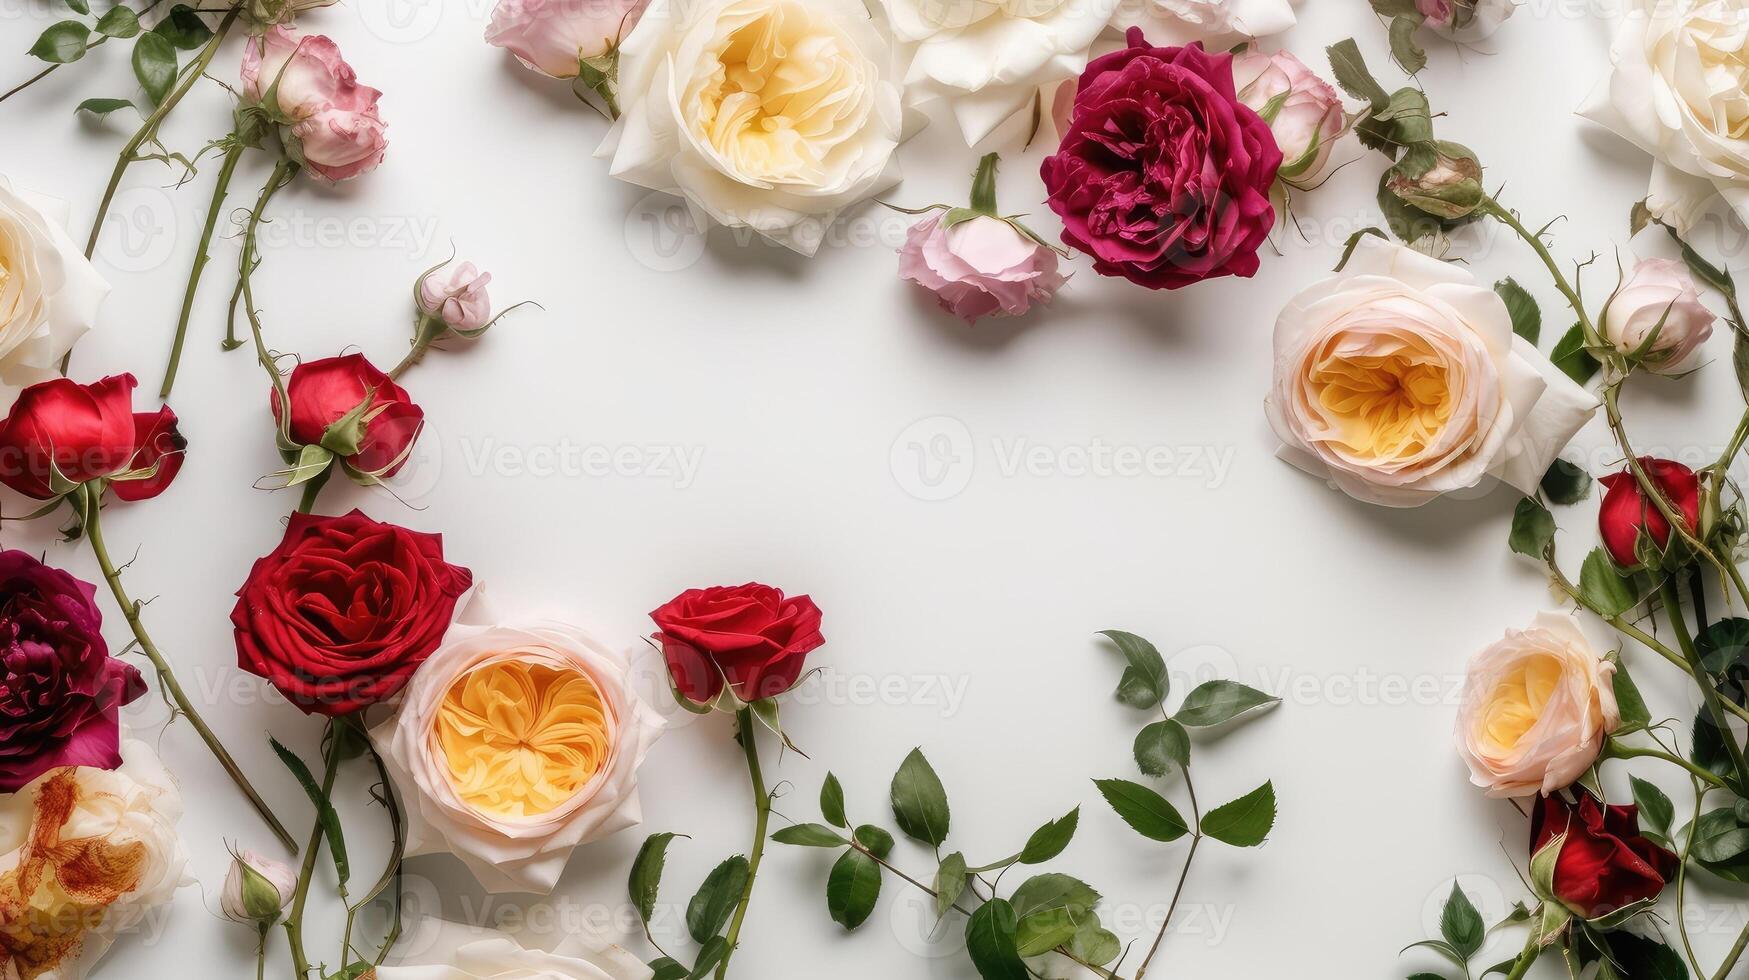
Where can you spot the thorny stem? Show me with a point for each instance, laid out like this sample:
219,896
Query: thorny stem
283,172
233,153
1619,751
1183,876
1521,966
294,923
1709,693
1510,220
747,729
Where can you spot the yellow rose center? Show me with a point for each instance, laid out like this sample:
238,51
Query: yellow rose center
1518,701
1387,400
521,739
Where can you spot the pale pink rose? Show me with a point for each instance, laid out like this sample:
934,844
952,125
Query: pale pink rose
456,294
1659,291
1306,123
1465,21
1537,707
1436,11
554,36
978,268
329,122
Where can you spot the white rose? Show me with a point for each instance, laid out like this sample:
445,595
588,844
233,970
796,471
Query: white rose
117,830
989,59
457,953
1400,379
512,746
1465,21
49,293
1537,706
1218,24
1660,295
773,115
1676,91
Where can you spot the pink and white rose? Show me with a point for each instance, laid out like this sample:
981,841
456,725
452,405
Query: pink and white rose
1303,110
1660,294
981,267
1465,21
327,121
554,37
456,294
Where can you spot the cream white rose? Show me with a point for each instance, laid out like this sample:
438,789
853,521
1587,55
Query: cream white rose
1677,90
1659,295
49,293
92,853
1218,24
773,115
1537,706
513,745
988,59
1465,21
453,952
1400,379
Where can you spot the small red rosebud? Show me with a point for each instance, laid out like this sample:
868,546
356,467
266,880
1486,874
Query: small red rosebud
752,636
1605,863
1627,511
60,432
326,391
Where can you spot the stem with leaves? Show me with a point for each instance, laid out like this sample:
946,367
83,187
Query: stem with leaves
746,728
294,922
1183,876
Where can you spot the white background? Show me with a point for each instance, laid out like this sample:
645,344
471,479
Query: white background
806,388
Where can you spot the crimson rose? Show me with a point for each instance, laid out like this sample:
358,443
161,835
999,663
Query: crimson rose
1604,864
60,690
61,433
1164,175
1626,511
750,635
343,611
381,421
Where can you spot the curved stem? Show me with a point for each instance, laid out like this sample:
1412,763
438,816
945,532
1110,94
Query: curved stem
1682,883
92,506
39,76
1709,694
1735,954
312,490
1505,216
1521,966
1183,876
1619,751
294,923
748,732
233,153
283,172
926,889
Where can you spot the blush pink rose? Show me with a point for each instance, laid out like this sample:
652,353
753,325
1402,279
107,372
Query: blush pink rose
1303,111
978,268
554,36
328,121
456,294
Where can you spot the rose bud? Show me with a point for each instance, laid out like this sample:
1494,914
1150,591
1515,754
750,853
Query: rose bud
61,434
327,121
978,263
555,37
1450,189
1659,297
1304,111
1605,864
1628,516
351,409
1465,21
456,295
750,636
257,889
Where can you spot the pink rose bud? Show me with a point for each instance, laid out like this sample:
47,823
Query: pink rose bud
981,267
456,294
554,37
328,122
257,889
1303,111
1660,295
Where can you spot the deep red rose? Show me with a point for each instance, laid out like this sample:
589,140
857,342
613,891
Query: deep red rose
60,690
344,610
1164,175
88,432
324,392
751,635
1605,864
1626,511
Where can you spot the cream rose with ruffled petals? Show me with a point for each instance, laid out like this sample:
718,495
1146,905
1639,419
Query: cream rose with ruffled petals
1218,24
49,292
773,115
459,953
1537,706
1401,380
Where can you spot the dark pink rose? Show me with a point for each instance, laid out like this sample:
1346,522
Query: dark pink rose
1164,175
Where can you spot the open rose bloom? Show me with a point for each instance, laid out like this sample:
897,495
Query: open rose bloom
49,291
979,268
328,122
1218,24
513,745
555,37
449,951
1465,21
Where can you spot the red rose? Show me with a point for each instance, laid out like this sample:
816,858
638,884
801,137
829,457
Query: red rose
750,634
1605,864
343,611
326,391
81,433
1164,175
1626,511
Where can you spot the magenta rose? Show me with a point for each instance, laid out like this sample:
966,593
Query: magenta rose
60,690
1163,175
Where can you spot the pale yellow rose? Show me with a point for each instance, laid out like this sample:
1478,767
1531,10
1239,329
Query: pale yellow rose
49,293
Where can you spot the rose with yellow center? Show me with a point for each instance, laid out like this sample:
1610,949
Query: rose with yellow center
1401,380
1537,707
513,745
767,114
49,292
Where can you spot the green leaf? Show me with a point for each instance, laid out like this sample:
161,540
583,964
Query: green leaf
62,43
1628,700
1645,959
155,66
1411,122
876,840
1572,358
1146,811
1049,892
1409,54
119,22
1144,684
950,882
183,28
664,968
832,802
1354,241
1036,935
1565,483
1246,821
919,801
1527,316
1093,943
853,888
1218,702
715,901
1708,749
709,955
325,813
1719,836
1740,362
1602,586
646,876
1050,840
991,942
78,6
1161,746
1461,924
1533,527
1350,71
1724,644
1655,807
103,107
809,835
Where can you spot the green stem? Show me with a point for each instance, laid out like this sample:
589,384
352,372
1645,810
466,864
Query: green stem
92,494
313,489
1521,966
283,172
984,185
1682,882
1735,954
747,728
1510,220
261,955
1619,751
294,923
1183,876
233,153
1709,693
